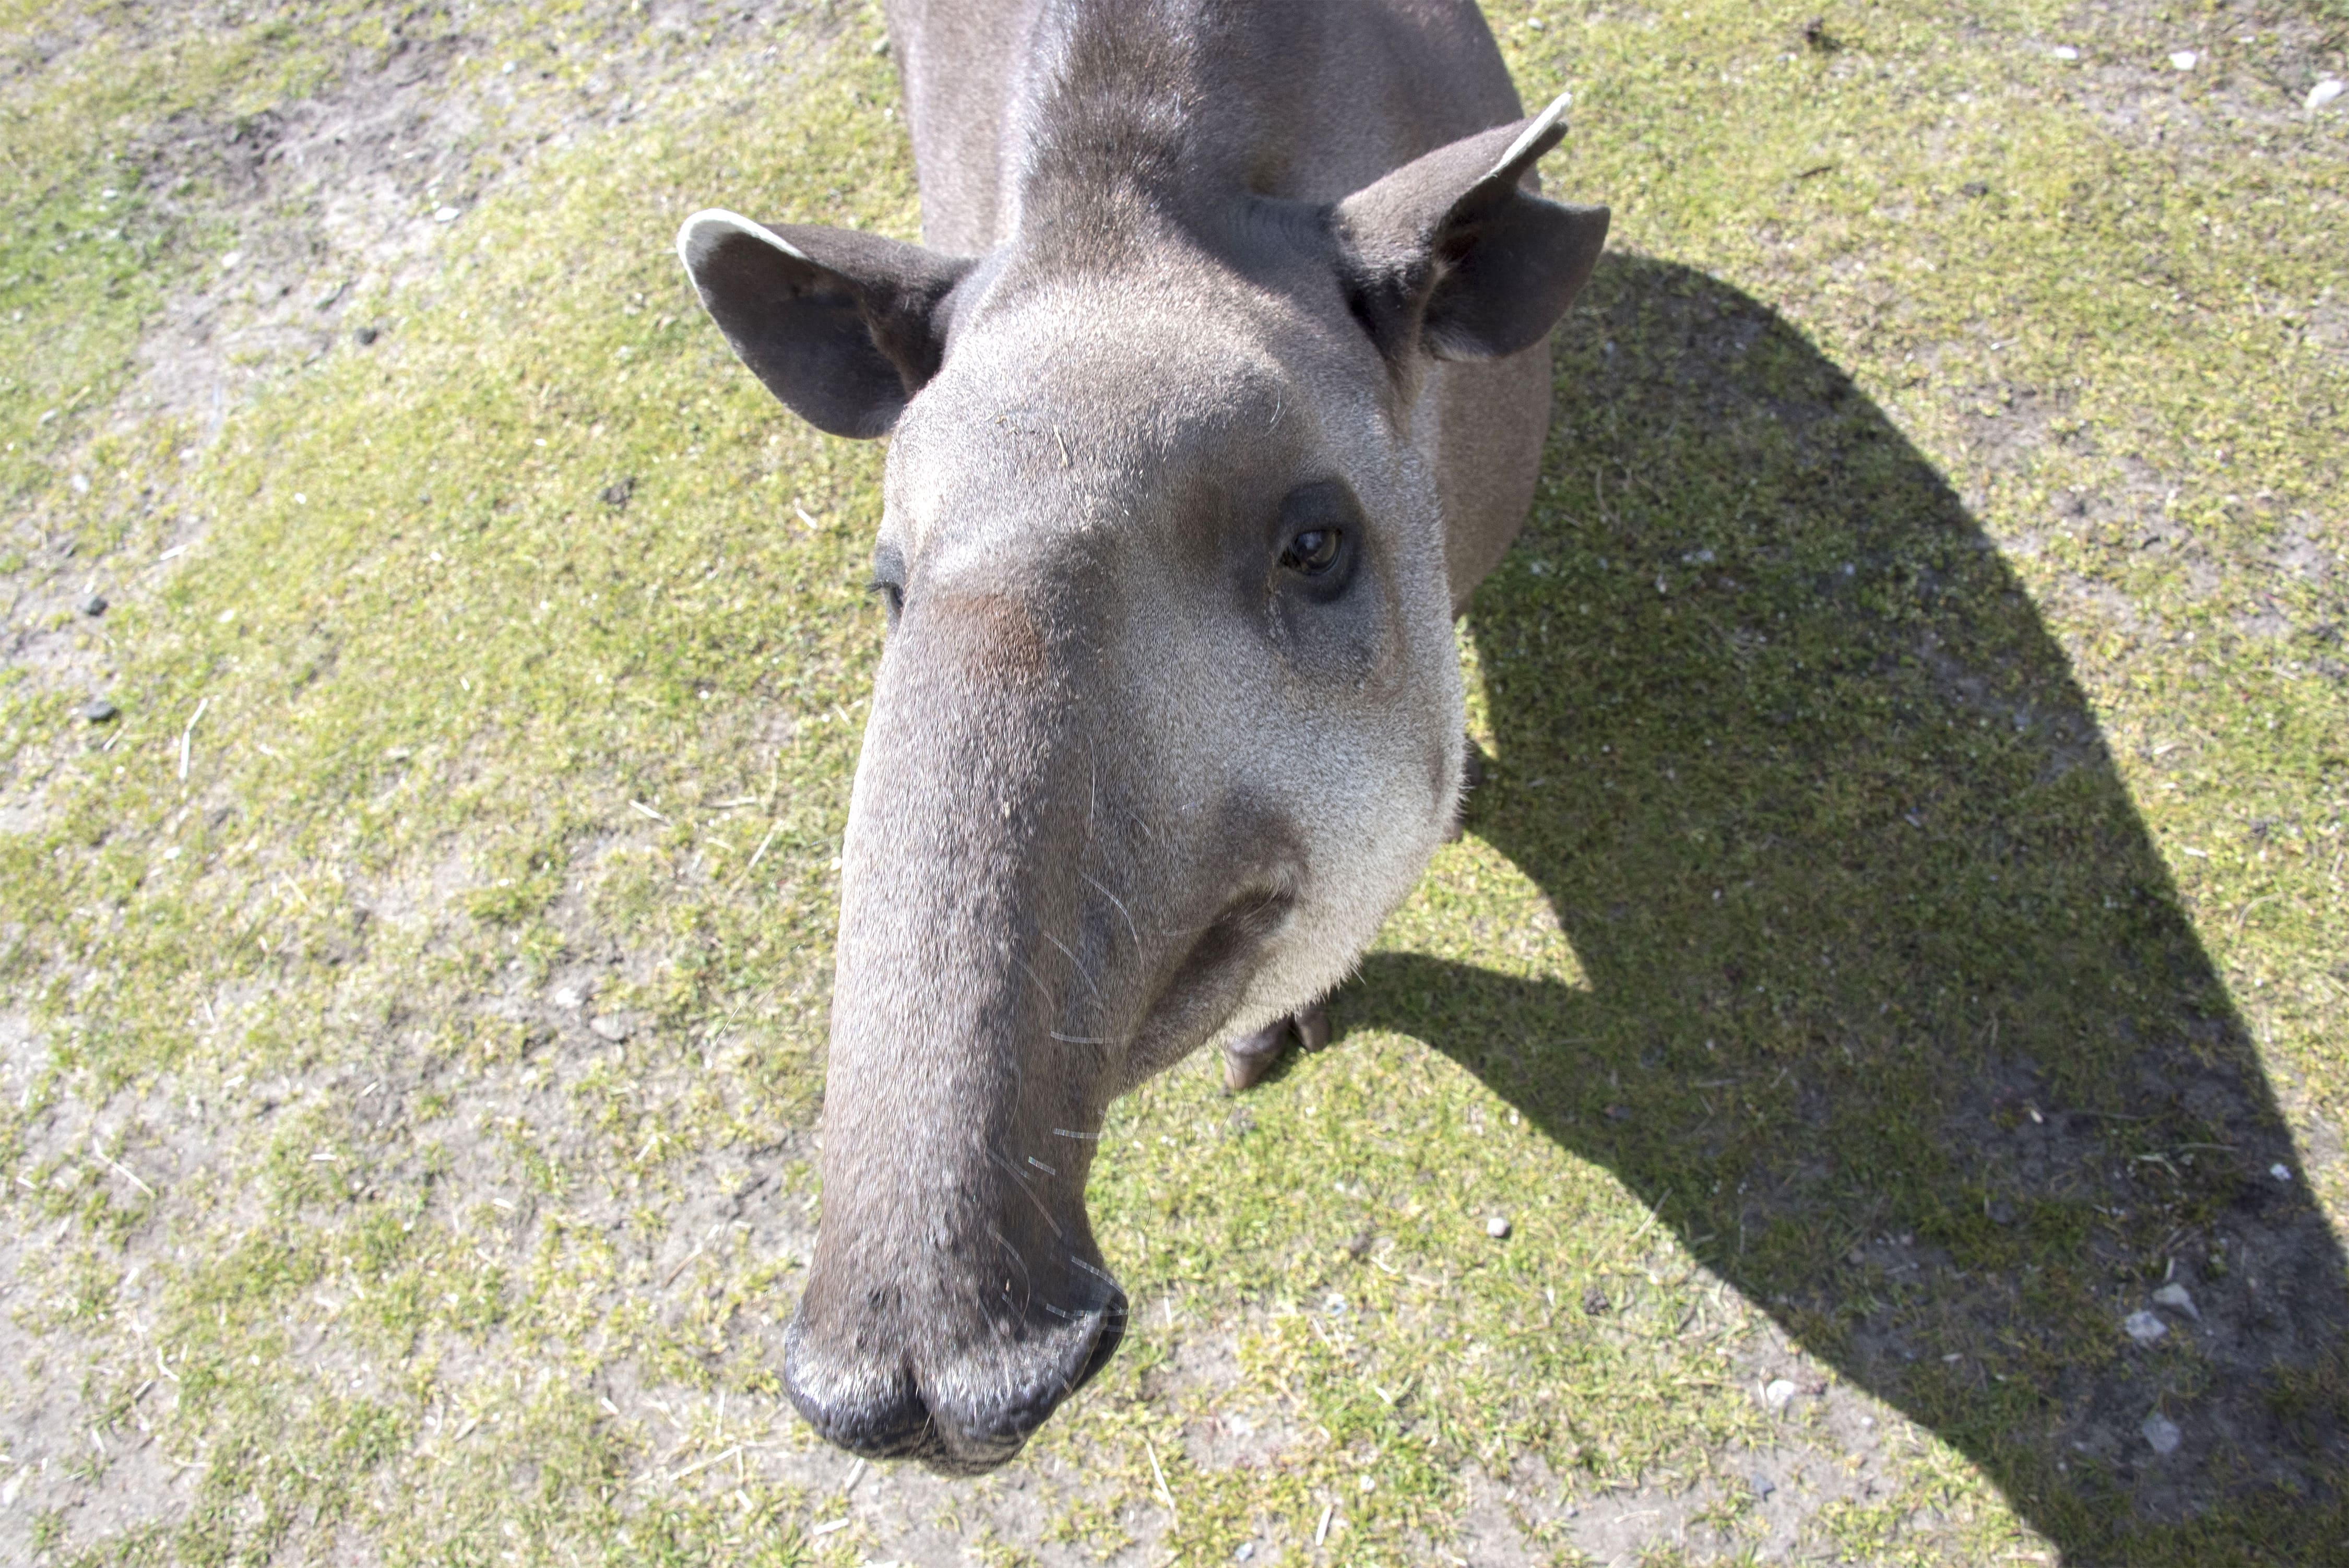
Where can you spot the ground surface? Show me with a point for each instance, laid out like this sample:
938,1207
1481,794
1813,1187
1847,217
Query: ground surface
1901,940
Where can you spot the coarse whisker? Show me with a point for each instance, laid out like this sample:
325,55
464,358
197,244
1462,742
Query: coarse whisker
986,1307
1018,1259
1017,1180
1037,980
1091,1137
1075,1039
1092,786
1026,1276
1131,929
1077,963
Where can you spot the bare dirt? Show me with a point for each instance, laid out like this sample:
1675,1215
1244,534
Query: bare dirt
341,207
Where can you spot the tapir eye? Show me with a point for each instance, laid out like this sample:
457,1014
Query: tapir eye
1314,551
1321,534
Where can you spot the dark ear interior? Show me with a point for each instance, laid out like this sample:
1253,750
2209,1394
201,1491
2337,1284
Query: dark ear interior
841,325
1453,256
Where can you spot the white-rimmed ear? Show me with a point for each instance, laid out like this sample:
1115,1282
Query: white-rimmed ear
1452,255
841,325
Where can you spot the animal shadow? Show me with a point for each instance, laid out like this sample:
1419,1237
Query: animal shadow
1888,1004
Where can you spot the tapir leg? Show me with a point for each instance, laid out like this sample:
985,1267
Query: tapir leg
1248,1059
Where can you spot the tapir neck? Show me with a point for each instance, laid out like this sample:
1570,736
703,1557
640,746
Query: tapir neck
1027,112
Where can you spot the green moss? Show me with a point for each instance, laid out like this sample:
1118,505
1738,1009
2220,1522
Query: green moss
1868,797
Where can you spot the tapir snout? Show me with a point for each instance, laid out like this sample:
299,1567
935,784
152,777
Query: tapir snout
957,1295
872,1373
1026,930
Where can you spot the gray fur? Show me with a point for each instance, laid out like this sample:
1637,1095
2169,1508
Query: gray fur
1209,283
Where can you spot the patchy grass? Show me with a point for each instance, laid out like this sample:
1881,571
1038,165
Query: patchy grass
1900,933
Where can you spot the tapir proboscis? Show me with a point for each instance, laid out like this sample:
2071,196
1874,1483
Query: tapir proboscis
1219,383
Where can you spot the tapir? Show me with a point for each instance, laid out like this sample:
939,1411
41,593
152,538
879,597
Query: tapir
1218,382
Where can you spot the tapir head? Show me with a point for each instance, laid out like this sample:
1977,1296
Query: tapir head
1168,719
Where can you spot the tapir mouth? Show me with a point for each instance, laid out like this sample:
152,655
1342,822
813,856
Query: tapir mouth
961,1415
1229,948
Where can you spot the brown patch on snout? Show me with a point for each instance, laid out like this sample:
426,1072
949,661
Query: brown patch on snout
993,633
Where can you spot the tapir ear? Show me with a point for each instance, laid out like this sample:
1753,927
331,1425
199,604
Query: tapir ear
1451,254
841,325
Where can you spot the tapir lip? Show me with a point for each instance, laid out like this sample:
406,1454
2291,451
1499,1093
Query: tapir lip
1229,946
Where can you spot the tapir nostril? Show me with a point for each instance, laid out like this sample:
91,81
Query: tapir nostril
965,1415
866,1409
982,1412
1105,1343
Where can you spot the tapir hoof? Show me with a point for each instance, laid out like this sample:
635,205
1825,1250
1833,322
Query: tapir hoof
1249,1058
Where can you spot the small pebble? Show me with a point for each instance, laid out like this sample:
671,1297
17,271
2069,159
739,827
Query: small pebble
2183,60
2281,1172
2323,93
1497,1228
449,215
1778,1393
567,998
2161,1432
98,711
1763,1486
1594,1301
93,605
612,1026
2144,1327
2177,1298
1244,1550
365,336
2065,52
